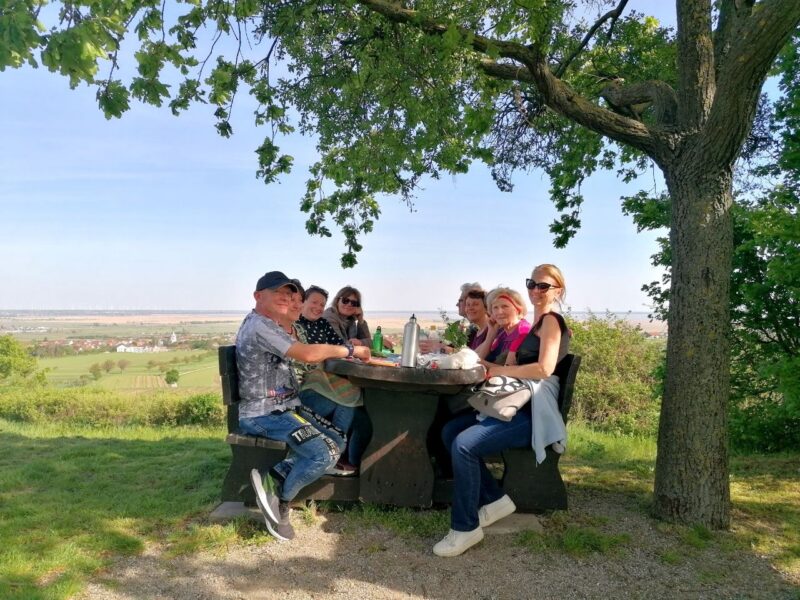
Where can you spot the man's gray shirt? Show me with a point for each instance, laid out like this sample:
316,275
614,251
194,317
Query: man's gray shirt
266,379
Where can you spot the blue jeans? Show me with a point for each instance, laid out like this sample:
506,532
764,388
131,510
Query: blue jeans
314,446
469,442
340,416
360,436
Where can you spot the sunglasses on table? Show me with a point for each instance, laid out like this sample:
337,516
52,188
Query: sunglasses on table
349,302
538,285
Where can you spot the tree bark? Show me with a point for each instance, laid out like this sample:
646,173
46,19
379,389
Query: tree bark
691,483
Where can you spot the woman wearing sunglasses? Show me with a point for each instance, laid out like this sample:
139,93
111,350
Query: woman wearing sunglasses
478,500
345,314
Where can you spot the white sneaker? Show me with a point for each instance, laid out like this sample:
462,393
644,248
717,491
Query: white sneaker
494,511
265,497
457,542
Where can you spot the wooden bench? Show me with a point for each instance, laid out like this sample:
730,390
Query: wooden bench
254,452
533,487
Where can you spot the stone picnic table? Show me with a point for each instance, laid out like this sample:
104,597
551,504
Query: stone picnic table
396,467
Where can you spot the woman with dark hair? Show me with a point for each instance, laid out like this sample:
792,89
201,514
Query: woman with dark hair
477,314
472,305
317,329
329,395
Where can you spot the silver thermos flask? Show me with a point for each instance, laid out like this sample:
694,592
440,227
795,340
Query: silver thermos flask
410,347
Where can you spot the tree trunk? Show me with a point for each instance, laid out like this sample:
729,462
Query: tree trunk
691,483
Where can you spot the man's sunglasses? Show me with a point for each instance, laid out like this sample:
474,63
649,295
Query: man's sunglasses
349,302
540,285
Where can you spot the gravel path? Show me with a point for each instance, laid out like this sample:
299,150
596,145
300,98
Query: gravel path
329,560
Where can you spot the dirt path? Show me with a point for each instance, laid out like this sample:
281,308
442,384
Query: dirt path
332,559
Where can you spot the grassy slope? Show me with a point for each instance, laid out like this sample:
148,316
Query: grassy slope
72,499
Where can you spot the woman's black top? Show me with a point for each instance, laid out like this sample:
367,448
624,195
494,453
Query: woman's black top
528,351
320,331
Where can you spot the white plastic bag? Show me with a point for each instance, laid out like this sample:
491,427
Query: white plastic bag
465,358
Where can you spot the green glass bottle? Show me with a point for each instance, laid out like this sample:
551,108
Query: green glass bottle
377,340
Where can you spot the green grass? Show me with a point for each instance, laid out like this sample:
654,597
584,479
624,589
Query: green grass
765,493
74,498
71,499
404,522
198,370
766,507
573,540
698,537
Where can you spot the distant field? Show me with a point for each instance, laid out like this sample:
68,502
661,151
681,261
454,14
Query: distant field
31,328
196,375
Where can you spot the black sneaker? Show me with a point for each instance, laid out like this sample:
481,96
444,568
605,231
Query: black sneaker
284,529
267,501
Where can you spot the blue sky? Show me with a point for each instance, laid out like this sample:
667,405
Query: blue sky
156,212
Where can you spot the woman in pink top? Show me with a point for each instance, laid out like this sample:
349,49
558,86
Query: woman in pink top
507,327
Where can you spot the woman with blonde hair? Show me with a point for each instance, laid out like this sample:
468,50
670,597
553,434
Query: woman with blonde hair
478,500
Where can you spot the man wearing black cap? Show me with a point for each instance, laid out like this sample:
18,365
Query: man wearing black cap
270,406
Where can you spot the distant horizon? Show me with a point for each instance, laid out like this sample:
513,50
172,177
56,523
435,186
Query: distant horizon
145,311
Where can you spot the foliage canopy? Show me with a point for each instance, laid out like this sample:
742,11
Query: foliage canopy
388,103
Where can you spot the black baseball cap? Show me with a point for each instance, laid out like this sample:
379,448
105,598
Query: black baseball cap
274,280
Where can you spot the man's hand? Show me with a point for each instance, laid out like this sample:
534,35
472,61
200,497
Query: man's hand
361,352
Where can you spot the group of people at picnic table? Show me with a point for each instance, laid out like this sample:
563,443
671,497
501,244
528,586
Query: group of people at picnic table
286,395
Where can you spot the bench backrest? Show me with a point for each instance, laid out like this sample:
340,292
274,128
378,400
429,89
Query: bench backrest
567,370
229,380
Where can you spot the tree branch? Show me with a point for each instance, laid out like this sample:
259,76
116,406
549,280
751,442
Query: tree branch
507,71
743,71
696,81
732,14
613,15
557,95
632,100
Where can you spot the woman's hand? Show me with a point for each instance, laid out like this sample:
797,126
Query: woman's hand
493,370
355,342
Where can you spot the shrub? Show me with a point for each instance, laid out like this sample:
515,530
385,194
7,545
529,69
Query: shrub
770,423
98,407
172,376
200,409
618,383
